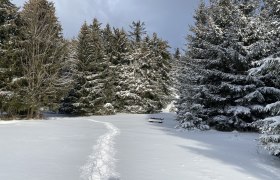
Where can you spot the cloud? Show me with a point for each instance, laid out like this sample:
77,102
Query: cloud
169,18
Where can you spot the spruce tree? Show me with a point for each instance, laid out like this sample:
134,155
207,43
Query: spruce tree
217,65
161,70
98,81
137,32
189,105
9,56
92,91
74,102
129,80
120,64
266,69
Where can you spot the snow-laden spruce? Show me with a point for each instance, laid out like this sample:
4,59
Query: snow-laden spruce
9,61
229,79
270,138
128,71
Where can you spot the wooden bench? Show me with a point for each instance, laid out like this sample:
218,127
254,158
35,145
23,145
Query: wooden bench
156,120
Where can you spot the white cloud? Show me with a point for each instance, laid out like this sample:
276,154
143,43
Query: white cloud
170,18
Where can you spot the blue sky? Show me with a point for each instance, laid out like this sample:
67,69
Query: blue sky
169,18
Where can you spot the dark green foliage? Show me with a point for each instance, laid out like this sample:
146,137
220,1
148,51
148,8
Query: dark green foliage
229,77
137,31
10,68
107,71
119,74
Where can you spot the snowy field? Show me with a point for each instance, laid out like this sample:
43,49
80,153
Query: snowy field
127,147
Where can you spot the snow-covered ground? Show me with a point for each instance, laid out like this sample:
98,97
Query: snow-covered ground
127,147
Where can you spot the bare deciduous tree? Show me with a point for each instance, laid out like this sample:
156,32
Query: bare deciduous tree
43,58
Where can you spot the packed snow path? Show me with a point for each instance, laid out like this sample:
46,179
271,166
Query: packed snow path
101,163
127,147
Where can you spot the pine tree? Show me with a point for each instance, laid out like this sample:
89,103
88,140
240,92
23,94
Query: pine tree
43,58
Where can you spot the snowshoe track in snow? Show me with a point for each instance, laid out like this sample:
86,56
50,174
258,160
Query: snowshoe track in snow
101,163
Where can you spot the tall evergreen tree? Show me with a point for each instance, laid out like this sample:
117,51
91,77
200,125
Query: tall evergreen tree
130,84
137,32
9,55
120,64
266,69
98,80
189,104
74,102
121,74
91,93
218,62
161,68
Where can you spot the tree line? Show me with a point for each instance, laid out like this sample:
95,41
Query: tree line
229,78
103,71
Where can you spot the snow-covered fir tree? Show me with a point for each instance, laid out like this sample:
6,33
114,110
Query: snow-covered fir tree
161,70
119,74
216,78
98,80
9,53
189,104
175,68
111,74
132,82
74,103
91,85
266,68
138,30
121,70
144,81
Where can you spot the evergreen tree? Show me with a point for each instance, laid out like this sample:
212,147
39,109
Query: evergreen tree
177,54
161,68
111,75
138,30
74,103
175,71
120,65
92,91
130,82
217,65
189,105
144,84
266,69
98,80
118,73
9,62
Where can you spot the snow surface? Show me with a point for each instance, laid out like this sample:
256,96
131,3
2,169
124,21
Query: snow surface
128,147
101,164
